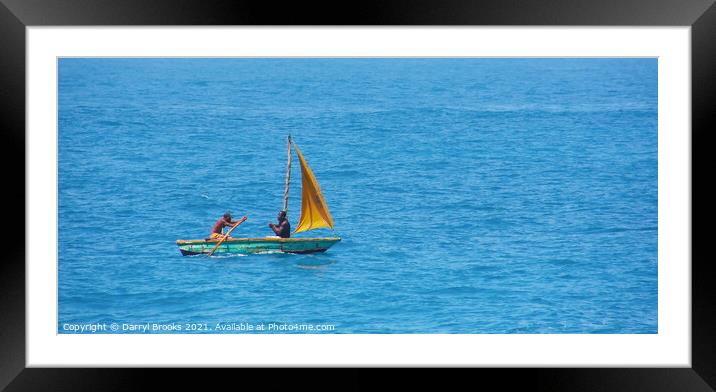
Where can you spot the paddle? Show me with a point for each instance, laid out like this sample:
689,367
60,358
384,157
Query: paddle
227,235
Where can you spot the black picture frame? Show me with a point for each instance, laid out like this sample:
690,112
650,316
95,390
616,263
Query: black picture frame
15,15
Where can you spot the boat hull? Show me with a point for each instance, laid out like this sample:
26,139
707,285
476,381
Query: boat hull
257,245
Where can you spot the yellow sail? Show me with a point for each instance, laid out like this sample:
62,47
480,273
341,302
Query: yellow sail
314,211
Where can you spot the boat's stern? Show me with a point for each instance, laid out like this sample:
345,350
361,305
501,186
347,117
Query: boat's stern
309,245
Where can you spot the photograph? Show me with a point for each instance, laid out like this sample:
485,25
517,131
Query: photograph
505,188
357,195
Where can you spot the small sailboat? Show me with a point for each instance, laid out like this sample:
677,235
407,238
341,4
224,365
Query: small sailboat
314,215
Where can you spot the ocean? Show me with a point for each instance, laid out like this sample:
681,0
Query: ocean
472,195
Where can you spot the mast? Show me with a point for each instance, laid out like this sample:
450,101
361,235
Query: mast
288,176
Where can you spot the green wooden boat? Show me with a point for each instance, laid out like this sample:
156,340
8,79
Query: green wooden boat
257,245
314,215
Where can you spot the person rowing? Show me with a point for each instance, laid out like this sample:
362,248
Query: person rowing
217,232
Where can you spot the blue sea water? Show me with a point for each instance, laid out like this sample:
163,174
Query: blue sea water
471,195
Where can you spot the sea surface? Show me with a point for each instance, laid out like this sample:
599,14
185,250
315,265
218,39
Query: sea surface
472,195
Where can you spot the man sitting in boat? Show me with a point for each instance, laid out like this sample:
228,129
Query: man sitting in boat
217,231
283,228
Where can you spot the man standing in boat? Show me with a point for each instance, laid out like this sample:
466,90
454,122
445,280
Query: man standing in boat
217,231
283,228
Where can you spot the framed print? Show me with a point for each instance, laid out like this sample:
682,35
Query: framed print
451,185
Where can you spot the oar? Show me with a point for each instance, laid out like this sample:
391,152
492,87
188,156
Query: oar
227,235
